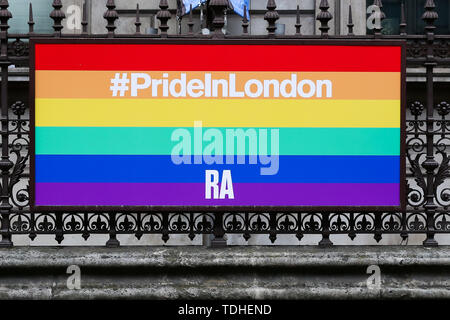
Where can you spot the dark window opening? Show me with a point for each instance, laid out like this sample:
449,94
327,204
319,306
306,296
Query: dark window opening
414,10
20,13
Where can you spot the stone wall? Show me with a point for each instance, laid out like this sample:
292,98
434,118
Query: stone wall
231,273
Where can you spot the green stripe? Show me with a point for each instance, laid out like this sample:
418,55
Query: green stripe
157,140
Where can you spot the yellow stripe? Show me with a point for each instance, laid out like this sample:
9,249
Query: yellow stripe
217,113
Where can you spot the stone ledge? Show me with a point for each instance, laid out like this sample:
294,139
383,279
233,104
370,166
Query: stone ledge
269,272
198,256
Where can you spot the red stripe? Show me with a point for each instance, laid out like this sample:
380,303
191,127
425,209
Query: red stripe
181,57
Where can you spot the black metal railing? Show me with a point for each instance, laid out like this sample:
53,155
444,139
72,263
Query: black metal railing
428,130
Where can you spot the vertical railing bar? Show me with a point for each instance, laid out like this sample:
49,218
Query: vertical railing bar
325,242
139,232
245,22
191,226
245,226
84,20
377,221
299,233
351,223
298,24
218,231
404,232
403,20
138,21
430,164
273,226
165,227
59,235
5,162
190,22
86,233
32,234
350,24
112,242
30,19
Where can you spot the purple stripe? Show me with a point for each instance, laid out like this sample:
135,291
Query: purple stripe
192,194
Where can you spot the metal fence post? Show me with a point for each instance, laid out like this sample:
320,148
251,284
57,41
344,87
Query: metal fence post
350,24
30,19
325,242
298,24
430,164
245,22
219,232
112,242
5,163
84,21
403,24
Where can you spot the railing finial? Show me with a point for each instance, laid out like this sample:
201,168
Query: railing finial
30,19
350,24
271,16
163,16
245,23
190,22
138,20
84,22
324,16
218,6
111,16
430,164
5,163
430,16
403,20
57,15
5,15
298,25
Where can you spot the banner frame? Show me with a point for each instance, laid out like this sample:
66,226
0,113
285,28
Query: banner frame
226,41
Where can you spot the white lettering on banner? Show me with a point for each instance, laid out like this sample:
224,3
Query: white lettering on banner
293,87
212,184
228,146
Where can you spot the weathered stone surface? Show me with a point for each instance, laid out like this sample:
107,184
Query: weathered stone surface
229,273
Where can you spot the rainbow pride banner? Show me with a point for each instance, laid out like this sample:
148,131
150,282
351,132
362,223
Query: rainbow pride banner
289,124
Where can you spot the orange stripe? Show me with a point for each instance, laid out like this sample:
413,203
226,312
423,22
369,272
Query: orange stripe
96,84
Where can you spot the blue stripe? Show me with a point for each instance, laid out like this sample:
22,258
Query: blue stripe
140,169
